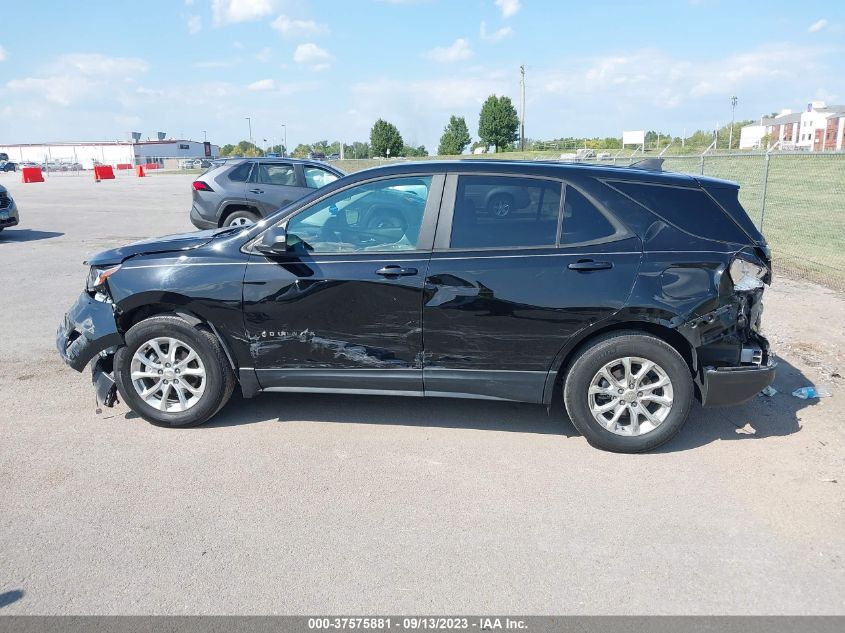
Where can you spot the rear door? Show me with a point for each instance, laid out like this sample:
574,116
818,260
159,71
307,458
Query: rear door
274,185
505,293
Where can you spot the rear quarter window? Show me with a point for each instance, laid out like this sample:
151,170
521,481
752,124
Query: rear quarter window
240,173
689,209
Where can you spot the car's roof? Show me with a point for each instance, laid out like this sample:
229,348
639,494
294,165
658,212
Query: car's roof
221,162
555,169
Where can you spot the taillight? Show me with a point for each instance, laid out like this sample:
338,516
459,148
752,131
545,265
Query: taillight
199,185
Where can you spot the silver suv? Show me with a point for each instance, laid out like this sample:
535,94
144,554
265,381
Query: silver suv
241,191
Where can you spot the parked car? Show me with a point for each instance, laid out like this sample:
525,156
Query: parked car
7,165
240,192
334,156
8,209
624,292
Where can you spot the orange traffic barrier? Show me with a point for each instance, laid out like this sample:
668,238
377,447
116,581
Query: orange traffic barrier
31,174
103,172
149,166
120,166
139,171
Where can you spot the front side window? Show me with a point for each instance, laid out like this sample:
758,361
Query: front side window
384,215
316,177
273,174
505,212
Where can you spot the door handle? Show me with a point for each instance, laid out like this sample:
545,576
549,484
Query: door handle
586,265
256,191
396,271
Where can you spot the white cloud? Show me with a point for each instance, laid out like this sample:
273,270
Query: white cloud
188,3
458,51
508,7
194,24
232,11
495,36
817,26
265,54
74,77
298,28
3,54
312,55
262,84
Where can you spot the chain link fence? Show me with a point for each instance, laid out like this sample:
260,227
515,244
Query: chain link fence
796,199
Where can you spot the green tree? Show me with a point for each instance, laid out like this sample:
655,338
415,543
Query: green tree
245,148
414,152
301,151
358,150
498,122
385,139
277,149
455,137
227,150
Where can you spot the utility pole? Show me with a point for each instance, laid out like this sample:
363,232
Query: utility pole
522,108
249,120
733,108
285,127
204,136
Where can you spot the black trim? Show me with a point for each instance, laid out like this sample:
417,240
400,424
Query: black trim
734,385
519,386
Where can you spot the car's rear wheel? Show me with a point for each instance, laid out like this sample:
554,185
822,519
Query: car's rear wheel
628,392
241,218
172,373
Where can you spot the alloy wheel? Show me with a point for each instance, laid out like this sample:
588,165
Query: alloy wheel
168,374
630,396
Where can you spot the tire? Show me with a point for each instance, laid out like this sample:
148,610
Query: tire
215,387
500,205
665,420
241,218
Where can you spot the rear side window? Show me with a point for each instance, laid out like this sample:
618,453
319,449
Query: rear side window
240,173
690,210
582,221
502,212
272,174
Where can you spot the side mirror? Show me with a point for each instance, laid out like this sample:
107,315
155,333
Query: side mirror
274,241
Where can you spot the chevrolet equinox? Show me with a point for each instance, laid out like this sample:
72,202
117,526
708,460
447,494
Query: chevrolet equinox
625,291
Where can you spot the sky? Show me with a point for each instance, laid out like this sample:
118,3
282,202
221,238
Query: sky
327,69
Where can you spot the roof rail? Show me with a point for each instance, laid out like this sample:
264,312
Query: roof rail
649,164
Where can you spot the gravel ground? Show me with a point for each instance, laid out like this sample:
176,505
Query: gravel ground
306,503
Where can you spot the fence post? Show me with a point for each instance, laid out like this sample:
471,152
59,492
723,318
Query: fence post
765,187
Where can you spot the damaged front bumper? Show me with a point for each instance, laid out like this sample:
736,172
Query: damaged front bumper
88,328
724,386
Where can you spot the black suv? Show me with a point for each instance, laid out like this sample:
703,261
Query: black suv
239,192
623,291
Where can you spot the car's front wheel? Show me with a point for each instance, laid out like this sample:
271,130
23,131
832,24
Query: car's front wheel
500,205
628,392
172,373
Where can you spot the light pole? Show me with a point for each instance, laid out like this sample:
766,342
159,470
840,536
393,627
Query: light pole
249,121
285,127
733,108
204,136
522,108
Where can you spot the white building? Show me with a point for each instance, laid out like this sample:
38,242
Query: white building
818,128
110,152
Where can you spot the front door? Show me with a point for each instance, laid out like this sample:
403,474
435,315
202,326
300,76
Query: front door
342,310
505,291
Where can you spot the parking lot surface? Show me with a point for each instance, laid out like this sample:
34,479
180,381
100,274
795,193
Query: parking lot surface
307,504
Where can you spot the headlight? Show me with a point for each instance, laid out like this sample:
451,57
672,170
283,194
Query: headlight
97,276
746,275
